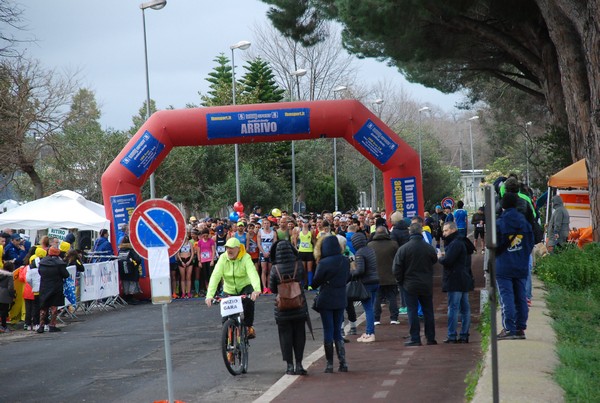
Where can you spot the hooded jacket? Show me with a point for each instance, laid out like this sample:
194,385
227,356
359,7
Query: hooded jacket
400,232
365,260
515,243
52,270
286,261
236,274
559,222
7,287
413,266
331,275
385,250
456,275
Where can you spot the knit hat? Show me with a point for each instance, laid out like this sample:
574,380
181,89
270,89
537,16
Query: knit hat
64,246
53,251
40,252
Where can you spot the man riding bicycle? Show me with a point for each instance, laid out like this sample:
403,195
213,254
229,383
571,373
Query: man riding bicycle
239,276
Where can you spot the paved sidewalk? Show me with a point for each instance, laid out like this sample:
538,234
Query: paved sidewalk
525,367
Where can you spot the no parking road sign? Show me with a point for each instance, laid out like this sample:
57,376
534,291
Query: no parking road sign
448,202
156,222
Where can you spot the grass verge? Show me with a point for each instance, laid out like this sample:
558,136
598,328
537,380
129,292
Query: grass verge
473,377
576,317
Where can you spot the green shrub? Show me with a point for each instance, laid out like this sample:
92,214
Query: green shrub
572,268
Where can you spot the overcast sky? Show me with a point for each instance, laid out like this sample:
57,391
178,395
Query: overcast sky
103,39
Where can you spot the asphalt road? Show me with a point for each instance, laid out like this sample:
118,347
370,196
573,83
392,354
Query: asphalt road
118,356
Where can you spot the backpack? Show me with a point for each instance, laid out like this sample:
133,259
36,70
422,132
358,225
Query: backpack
289,293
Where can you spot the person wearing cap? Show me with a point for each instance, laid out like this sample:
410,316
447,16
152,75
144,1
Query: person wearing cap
15,250
515,243
240,232
52,270
239,277
220,239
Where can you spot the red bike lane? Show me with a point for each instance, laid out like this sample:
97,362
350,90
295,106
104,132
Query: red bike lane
388,370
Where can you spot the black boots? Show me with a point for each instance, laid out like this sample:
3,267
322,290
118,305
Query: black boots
329,357
300,369
290,368
341,353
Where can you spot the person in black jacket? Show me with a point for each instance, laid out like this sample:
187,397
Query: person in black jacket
129,262
457,282
413,268
52,270
290,323
331,276
400,234
366,272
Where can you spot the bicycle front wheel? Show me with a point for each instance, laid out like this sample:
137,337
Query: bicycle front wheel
232,347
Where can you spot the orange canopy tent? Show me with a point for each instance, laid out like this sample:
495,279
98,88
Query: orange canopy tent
573,176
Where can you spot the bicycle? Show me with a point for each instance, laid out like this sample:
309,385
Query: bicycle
234,336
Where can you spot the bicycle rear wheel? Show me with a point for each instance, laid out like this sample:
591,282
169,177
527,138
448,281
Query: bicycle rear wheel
231,346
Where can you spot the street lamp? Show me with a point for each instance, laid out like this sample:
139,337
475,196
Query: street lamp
378,101
472,159
527,152
423,109
337,89
297,74
155,5
242,45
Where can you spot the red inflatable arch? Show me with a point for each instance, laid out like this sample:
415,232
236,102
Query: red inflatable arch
348,119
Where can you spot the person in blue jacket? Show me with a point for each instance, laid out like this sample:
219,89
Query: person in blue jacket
103,249
515,243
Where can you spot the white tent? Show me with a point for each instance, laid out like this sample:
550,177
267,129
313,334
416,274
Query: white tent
8,204
64,209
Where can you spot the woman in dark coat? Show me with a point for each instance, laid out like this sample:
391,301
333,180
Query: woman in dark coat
290,323
331,276
53,270
129,261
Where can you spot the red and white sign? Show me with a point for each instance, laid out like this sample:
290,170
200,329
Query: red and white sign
156,223
448,202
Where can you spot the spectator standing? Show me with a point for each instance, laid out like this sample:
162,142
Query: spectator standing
478,221
102,249
7,293
413,269
385,251
558,226
15,250
366,271
449,215
331,275
515,244
461,219
52,270
438,218
457,282
129,262
290,323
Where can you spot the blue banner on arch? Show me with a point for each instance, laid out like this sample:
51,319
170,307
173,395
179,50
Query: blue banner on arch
404,196
257,123
376,142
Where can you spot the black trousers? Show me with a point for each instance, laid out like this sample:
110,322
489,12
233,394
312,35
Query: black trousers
292,339
248,305
32,311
